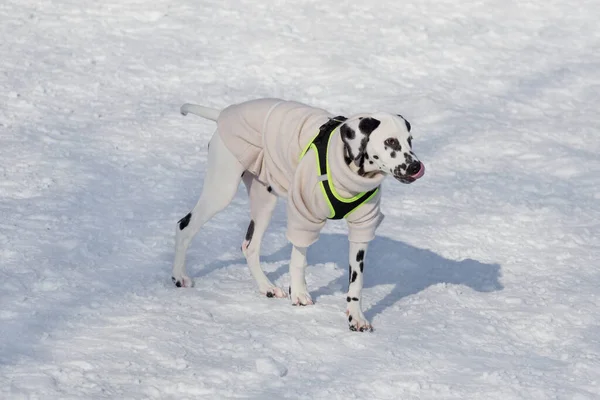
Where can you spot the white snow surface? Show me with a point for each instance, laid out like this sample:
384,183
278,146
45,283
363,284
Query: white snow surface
482,284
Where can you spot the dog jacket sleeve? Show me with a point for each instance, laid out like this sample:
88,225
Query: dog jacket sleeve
363,222
307,209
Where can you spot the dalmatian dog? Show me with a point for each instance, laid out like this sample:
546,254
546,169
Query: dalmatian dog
374,145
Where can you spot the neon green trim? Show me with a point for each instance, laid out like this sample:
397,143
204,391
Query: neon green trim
335,193
312,146
331,209
363,203
308,146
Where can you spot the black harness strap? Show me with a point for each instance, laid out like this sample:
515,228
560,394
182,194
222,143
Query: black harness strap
320,145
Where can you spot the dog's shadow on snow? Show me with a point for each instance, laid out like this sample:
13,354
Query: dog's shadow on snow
409,269
388,262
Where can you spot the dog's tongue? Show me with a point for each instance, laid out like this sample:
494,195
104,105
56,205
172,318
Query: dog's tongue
420,173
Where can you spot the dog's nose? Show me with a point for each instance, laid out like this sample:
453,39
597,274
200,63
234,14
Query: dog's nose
413,168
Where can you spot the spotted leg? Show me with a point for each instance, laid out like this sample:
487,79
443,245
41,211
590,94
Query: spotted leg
356,318
222,179
262,204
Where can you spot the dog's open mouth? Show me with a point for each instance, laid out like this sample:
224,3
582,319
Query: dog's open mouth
413,177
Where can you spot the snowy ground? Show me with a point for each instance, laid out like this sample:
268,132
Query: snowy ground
483,284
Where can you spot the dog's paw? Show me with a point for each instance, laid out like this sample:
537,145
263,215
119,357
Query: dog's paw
274,292
183,281
300,298
358,323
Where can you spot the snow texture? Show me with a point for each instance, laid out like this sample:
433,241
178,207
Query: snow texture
484,280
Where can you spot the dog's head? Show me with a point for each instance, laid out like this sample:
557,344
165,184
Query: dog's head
381,142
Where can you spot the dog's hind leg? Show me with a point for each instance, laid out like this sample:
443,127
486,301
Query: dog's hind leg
262,204
223,175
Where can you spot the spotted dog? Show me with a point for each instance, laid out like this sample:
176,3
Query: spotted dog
326,166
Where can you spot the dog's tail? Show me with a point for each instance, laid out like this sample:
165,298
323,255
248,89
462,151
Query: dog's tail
206,112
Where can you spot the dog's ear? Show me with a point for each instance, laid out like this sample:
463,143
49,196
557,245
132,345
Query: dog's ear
368,125
406,122
356,138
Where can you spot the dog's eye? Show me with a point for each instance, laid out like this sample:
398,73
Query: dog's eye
393,144
410,141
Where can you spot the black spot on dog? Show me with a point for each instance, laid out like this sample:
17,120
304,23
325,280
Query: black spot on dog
359,160
370,162
269,189
368,125
250,231
376,157
176,282
290,290
362,266
183,222
393,154
405,122
349,273
360,255
270,294
363,146
403,166
409,140
350,318
347,132
348,155
354,275
348,299
355,299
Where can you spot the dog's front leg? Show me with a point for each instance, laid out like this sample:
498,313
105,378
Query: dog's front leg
356,318
298,290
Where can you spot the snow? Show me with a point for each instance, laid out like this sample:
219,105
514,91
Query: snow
482,284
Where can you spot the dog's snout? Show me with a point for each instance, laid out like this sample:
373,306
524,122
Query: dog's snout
414,168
